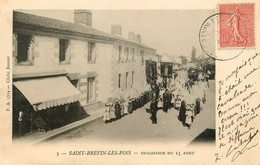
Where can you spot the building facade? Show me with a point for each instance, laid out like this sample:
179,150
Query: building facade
95,66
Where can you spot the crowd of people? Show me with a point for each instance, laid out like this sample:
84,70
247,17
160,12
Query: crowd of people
185,93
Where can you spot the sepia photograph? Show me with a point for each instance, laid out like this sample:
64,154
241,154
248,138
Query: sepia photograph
129,82
112,76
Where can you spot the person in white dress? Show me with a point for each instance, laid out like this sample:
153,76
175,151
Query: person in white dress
189,115
160,99
106,113
190,101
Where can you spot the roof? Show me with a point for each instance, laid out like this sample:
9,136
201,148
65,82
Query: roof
166,59
54,24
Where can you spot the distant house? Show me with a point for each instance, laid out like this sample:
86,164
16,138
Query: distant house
166,65
177,62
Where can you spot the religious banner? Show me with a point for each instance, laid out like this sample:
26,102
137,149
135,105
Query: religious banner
166,69
151,71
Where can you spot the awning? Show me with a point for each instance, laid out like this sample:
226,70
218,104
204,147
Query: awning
48,92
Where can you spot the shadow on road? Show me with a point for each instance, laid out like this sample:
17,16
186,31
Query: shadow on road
207,136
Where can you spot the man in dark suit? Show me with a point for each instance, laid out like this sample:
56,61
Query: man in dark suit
154,103
182,112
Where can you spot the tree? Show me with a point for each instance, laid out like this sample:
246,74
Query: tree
184,60
193,55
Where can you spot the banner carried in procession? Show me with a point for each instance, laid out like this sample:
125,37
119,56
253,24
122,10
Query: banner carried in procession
151,71
166,69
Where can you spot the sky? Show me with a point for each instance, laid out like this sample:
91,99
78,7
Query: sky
171,32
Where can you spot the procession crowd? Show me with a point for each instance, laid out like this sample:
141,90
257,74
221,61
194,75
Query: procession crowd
185,93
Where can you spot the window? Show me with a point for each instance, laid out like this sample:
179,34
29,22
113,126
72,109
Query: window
119,53
133,54
133,77
64,45
91,89
126,79
75,83
127,53
24,56
91,47
119,80
142,55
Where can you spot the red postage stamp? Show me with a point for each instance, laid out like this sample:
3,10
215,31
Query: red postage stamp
236,25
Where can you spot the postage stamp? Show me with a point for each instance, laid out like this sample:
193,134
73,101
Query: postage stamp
236,26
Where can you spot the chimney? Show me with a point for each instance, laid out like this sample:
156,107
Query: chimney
131,36
116,30
83,17
138,38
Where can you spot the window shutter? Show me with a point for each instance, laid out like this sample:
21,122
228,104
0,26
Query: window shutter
68,54
94,52
14,45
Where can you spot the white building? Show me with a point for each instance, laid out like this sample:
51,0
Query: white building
93,64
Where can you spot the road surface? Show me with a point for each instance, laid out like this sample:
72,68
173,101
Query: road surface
138,126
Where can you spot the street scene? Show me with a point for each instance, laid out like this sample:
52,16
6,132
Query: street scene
137,127
82,75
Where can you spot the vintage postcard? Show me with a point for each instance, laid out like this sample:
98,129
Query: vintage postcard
119,83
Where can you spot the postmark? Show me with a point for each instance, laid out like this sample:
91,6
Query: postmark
207,36
231,28
208,39
236,26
